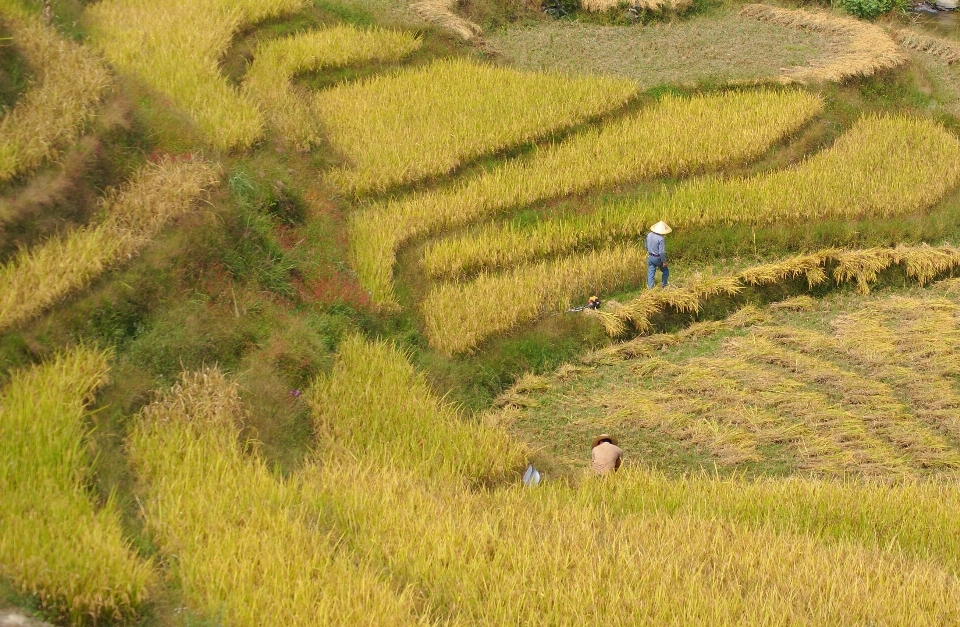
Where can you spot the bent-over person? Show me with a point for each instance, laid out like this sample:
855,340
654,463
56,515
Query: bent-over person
605,455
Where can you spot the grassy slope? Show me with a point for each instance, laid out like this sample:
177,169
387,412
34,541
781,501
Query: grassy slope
257,281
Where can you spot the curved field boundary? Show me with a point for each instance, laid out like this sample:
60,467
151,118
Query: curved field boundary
278,61
675,137
56,543
869,49
376,405
425,121
884,166
440,12
174,46
40,276
459,316
947,50
236,538
70,82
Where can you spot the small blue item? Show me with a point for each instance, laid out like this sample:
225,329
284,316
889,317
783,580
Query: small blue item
531,477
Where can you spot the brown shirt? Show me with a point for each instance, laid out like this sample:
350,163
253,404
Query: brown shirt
605,457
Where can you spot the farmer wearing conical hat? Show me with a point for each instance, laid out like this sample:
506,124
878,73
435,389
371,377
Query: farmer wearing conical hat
657,253
605,456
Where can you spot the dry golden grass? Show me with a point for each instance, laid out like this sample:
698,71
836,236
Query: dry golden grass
912,344
441,13
375,403
871,401
945,49
174,46
49,116
797,303
868,50
459,316
883,166
675,137
425,121
716,47
678,6
57,543
237,539
132,216
277,61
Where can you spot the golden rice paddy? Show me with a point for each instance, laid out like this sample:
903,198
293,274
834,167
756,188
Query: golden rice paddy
882,167
677,136
268,80
69,83
174,46
421,122
57,542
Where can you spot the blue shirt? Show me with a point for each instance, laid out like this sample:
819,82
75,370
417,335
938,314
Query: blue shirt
656,246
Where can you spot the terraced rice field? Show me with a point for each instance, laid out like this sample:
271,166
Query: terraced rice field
238,540
58,543
69,83
134,215
174,47
322,473
276,62
422,122
866,389
882,167
459,316
699,133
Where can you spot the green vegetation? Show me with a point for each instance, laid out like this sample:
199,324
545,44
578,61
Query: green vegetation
283,315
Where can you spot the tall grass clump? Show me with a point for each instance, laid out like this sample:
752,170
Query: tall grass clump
69,83
458,316
268,80
551,556
235,538
425,121
133,215
56,542
375,406
884,166
869,48
174,46
675,137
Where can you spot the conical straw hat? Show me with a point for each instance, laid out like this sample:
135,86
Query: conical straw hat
604,436
660,228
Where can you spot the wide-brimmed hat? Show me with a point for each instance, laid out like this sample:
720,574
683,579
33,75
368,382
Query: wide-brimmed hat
604,436
661,228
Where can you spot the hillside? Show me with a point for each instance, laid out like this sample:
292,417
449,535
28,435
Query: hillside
288,304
